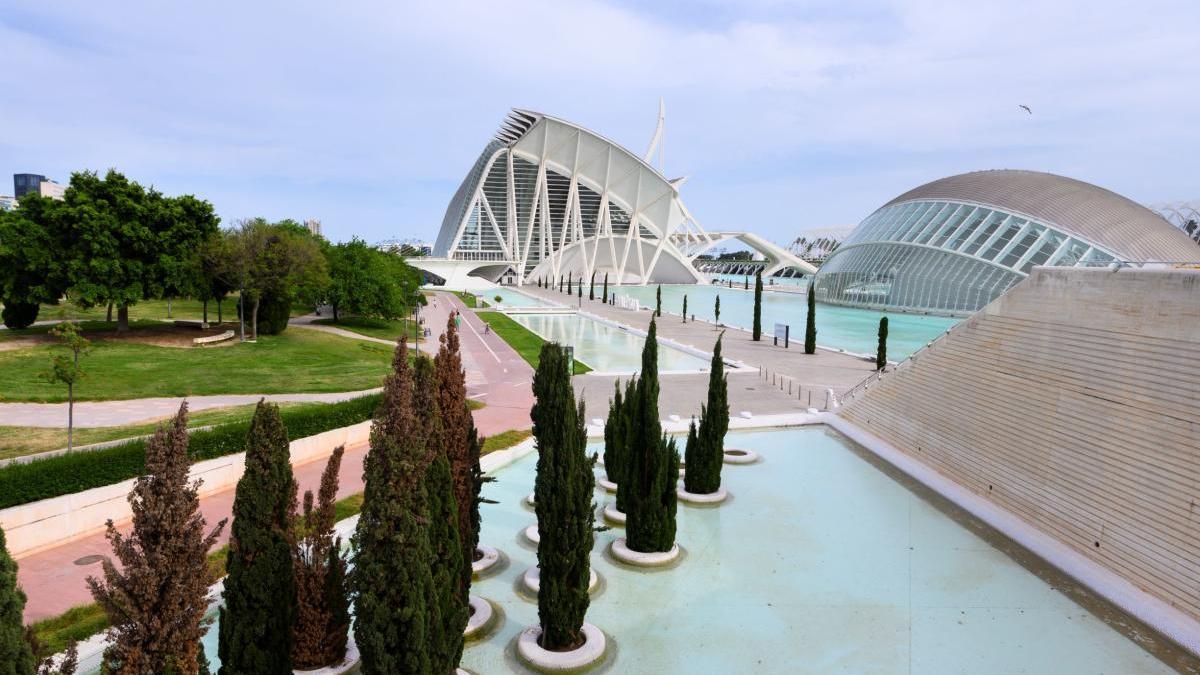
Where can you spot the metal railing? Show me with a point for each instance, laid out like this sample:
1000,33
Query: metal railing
821,398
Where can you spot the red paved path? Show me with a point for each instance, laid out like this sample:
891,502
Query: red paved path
496,375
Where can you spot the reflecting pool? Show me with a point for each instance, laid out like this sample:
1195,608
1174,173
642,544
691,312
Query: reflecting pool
821,563
603,347
511,298
849,328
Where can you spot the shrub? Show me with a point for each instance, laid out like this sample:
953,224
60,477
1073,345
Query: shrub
66,474
273,315
19,314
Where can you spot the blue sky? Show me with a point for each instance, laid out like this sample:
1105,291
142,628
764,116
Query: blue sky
785,115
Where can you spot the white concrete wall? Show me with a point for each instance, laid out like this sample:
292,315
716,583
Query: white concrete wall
41,525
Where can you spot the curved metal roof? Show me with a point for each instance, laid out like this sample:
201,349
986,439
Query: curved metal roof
1089,212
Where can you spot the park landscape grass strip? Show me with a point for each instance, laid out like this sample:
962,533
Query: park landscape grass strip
526,342
384,329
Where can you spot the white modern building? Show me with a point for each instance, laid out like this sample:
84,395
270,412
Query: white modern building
549,198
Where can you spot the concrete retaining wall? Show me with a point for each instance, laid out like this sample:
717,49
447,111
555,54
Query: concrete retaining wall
31,528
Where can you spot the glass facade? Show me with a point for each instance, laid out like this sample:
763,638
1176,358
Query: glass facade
943,256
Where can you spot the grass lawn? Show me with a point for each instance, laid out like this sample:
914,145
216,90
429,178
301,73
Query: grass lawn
504,440
295,361
526,342
467,298
181,308
377,328
18,441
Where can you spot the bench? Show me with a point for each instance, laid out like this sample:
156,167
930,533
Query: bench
212,339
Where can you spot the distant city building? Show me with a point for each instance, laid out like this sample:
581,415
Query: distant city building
313,226
7,203
24,183
406,247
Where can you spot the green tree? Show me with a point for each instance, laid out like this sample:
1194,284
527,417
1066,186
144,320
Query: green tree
658,301
746,282
368,282
563,501
65,368
274,261
605,298
716,312
758,291
705,451
685,307
810,322
259,615
322,608
881,350
392,583
157,600
653,467
32,270
218,277
614,435
16,656
592,288
622,436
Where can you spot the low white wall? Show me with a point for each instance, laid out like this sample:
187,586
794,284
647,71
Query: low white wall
35,527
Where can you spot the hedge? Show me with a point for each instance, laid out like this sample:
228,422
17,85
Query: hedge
78,471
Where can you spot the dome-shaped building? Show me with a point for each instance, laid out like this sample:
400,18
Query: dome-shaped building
955,244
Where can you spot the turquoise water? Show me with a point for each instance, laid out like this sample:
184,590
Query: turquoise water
849,328
778,281
510,298
820,563
602,347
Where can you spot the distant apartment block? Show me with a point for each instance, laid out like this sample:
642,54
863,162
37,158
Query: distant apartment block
25,183
407,247
314,226
7,203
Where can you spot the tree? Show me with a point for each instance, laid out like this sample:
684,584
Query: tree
658,301
16,655
31,265
580,291
259,615
563,501
322,608
881,350
560,283
65,369
157,600
622,438
614,435
605,299
810,322
716,312
685,307
451,605
272,260
758,291
745,282
392,583
705,450
653,467
218,277
592,288
368,282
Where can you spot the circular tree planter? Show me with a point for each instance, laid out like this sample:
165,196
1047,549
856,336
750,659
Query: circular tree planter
533,579
612,515
589,653
530,500
740,456
490,558
608,485
622,552
349,662
710,499
531,533
482,614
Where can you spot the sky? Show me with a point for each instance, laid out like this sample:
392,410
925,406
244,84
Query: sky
785,116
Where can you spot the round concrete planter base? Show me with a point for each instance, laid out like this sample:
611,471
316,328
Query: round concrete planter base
531,533
622,552
491,557
529,499
612,515
710,499
532,580
608,485
589,653
740,456
482,614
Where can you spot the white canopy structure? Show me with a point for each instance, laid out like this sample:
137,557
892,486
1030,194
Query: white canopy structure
548,198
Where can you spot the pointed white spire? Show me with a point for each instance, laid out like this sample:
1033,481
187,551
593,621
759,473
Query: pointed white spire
656,143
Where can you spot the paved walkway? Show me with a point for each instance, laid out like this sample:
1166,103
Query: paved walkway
496,375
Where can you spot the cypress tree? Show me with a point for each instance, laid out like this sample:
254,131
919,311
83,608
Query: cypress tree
606,288
592,288
810,322
392,583
658,301
16,656
259,615
621,438
156,602
704,456
745,282
580,289
478,479
447,624
322,608
685,307
612,432
717,312
758,290
563,501
881,350
653,467
560,283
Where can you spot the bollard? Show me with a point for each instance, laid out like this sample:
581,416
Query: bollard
810,398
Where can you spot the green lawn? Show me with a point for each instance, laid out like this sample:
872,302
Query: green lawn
467,298
181,308
18,441
504,440
376,328
295,361
526,342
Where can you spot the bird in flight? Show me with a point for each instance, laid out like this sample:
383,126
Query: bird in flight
1026,108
